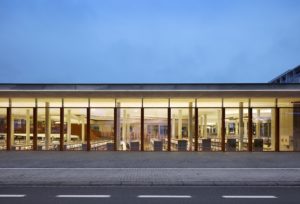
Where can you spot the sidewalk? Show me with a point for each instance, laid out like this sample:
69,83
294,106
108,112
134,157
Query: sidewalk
149,168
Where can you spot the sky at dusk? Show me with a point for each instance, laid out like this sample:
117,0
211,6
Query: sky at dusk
147,41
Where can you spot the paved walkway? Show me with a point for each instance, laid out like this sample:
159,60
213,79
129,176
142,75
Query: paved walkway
146,168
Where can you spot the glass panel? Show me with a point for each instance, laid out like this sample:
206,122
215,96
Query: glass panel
156,129
4,102
23,102
182,103
75,129
235,102
76,102
236,131
49,102
102,102
156,102
128,129
3,129
209,102
263,129
48,129
130,102
262,102
22,129
182,129
102,129
289,129
210,121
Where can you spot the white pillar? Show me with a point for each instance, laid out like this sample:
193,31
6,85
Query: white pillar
118,128
190,126
47,126
205,125
219,122
258,124
27,126
12,129
201,126
273,118
128,138
124,129
241,126
179,124
69,126
82,129
173,126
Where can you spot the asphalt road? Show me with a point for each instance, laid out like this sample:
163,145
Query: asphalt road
133,194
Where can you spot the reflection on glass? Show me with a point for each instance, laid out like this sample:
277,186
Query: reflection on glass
75,129
102,129
263,129
155,129
236,123
3,129
289,138
182,131
209,120
21,129
48,128
128,129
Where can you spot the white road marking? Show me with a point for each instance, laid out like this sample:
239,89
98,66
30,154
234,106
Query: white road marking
12,195
83,196
248,196
164,196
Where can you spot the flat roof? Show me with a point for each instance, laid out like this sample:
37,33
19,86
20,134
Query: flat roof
150,90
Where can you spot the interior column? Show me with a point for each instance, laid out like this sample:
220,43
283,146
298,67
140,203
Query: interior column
27,127
82,129
69,126
241,126
47,126
180,124
190,126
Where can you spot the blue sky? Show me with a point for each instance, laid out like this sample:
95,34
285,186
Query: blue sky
145,41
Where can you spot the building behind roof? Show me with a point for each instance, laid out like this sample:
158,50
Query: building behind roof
290,76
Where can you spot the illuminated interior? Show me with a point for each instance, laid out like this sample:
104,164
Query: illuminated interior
150,124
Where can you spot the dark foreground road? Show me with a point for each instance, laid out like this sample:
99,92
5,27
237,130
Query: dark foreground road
130,194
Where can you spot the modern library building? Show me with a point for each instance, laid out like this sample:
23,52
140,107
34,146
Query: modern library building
150,117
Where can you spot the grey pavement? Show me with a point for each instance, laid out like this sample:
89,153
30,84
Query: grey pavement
149,169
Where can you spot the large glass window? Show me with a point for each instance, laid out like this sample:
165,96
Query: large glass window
48,129
182,129
236,122
128,129
22,129
155,129
263,129
3,128
289,129
209,121
102,129
75,129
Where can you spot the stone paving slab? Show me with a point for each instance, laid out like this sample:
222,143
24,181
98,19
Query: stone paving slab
150,176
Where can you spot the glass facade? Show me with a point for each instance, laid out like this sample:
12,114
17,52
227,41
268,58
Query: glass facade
209,131
236,137
102,129
155,129
150,124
